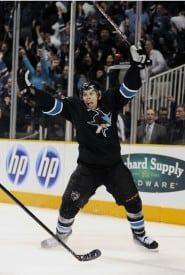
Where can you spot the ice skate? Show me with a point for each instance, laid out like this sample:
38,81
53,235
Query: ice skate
146,241
52,242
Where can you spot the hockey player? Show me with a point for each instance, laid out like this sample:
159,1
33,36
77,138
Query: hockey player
94,115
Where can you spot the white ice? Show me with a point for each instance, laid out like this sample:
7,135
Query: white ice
21,254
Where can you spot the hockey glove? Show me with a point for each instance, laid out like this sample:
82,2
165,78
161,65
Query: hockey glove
138,55
23,81
24,84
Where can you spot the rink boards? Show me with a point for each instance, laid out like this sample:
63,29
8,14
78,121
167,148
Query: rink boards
37,173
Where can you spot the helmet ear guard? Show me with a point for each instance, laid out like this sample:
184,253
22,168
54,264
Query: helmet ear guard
88,86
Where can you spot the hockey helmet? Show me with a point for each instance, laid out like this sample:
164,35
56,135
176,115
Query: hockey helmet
88,86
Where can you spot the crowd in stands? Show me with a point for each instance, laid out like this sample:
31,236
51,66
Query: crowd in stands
44,51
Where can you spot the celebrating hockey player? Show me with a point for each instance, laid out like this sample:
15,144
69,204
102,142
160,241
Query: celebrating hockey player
94,115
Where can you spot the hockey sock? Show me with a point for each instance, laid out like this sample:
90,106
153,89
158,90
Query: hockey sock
136,221
64,226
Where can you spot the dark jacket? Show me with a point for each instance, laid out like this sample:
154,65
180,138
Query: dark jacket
176,132
158,135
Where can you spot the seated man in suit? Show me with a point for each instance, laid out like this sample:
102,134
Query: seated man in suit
151,132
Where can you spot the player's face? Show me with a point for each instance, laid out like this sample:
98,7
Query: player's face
90,99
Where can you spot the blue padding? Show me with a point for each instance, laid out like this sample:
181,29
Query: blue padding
56,109
137,223
126,92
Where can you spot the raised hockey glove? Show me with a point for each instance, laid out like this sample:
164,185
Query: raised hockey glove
138,55
23,81
24,84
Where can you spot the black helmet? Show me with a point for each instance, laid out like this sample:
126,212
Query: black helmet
88,86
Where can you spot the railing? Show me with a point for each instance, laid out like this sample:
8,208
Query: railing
154,92
156,89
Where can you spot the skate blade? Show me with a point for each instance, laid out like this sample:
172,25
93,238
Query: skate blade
140,244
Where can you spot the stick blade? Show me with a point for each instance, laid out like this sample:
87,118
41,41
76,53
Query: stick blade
94,254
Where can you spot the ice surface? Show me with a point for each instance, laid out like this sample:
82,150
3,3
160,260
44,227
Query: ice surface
21,254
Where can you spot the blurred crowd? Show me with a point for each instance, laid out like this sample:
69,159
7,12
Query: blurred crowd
44,51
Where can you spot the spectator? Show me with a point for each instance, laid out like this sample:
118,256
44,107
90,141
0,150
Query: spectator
87,67
100,77
93,30
27,122
47,15
4,74
121,52
7,88
26,20
161,28
55,71
62,83
88,9
158,63
6,52
163,116
39,75
179,21
123,124
5,116
151,132
113,74
54,31
177,56
4,124
8,22
45,41
130,13
55,128
176,129
105,43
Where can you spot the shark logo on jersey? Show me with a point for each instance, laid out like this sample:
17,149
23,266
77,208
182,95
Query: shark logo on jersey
102,121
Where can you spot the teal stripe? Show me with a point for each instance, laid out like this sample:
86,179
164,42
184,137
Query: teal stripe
137,224
56,109
126,92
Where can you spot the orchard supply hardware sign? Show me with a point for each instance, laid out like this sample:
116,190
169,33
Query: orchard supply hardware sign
156,173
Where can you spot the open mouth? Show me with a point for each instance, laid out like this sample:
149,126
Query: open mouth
90,105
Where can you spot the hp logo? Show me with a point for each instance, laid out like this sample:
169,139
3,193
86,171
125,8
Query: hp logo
17,164
48,167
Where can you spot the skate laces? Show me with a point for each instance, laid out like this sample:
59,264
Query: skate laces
146,240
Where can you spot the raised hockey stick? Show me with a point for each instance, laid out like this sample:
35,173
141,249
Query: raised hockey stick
82,258
109,19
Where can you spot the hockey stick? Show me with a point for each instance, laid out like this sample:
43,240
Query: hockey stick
109,19
112,22
83,258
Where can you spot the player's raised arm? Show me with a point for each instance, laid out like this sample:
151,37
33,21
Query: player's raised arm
132,80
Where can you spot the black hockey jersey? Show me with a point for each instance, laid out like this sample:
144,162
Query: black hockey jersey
96,130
